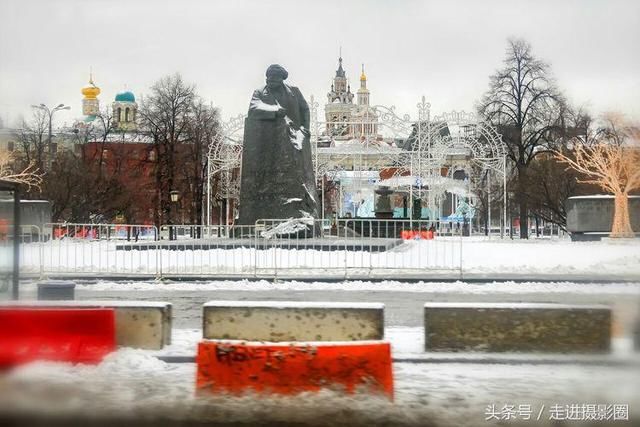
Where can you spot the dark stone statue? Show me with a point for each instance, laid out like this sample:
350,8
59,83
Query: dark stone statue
277,172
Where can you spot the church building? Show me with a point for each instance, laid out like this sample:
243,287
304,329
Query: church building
346,120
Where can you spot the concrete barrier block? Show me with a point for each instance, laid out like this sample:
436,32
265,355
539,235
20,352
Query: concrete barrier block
139,327
139,324
521,327
276,321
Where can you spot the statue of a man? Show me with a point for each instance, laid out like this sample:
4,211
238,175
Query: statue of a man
277,99
277,172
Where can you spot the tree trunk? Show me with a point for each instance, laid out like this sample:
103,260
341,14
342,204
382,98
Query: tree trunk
523,205
621,222
524,218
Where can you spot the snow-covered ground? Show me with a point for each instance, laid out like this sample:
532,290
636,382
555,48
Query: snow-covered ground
473,255
448,390
552,256
509,287
135,383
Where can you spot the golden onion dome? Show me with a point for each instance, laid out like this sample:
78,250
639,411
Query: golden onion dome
363,77
91,91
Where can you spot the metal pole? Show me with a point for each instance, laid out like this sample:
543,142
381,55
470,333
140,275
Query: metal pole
16,243
411,201
50,131
228,183
489,202
504,192
208,191
419,158
322,199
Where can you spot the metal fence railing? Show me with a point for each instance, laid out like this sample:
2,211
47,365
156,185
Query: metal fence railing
28,236
271,248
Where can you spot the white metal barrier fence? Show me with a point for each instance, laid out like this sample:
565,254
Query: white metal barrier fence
346,248
28,236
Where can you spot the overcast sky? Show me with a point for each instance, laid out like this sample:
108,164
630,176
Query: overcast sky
445,50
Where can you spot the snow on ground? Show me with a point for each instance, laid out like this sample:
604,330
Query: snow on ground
552,256
133,383
632,289
474,255
136,383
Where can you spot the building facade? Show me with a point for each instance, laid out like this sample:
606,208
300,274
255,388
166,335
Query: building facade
344,119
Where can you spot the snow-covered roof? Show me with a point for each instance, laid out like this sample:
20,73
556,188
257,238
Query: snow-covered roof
355,146
454,186
126,137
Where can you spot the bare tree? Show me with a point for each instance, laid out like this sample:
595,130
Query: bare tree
28,176
32,138
203,129
550,182
181,126
164,116
613,163
525,105
99,131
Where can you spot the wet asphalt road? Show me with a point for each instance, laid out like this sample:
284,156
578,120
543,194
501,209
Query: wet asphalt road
401,308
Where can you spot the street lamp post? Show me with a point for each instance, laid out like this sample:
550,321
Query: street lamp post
175,197
50,112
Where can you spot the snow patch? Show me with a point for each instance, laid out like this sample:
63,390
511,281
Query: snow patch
257,104
631,289
297,139
296,304
292,200
291,226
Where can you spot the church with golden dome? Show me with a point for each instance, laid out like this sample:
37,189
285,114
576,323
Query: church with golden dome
345,120
90,102
124,107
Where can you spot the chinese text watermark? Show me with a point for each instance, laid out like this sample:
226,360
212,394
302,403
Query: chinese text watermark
568,412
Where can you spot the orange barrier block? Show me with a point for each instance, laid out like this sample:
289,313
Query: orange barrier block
55,334
290,368
417,235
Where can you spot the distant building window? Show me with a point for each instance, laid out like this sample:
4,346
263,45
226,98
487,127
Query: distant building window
119,114
126,114
10,146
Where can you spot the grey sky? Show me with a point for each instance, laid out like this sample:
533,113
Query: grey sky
445,50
